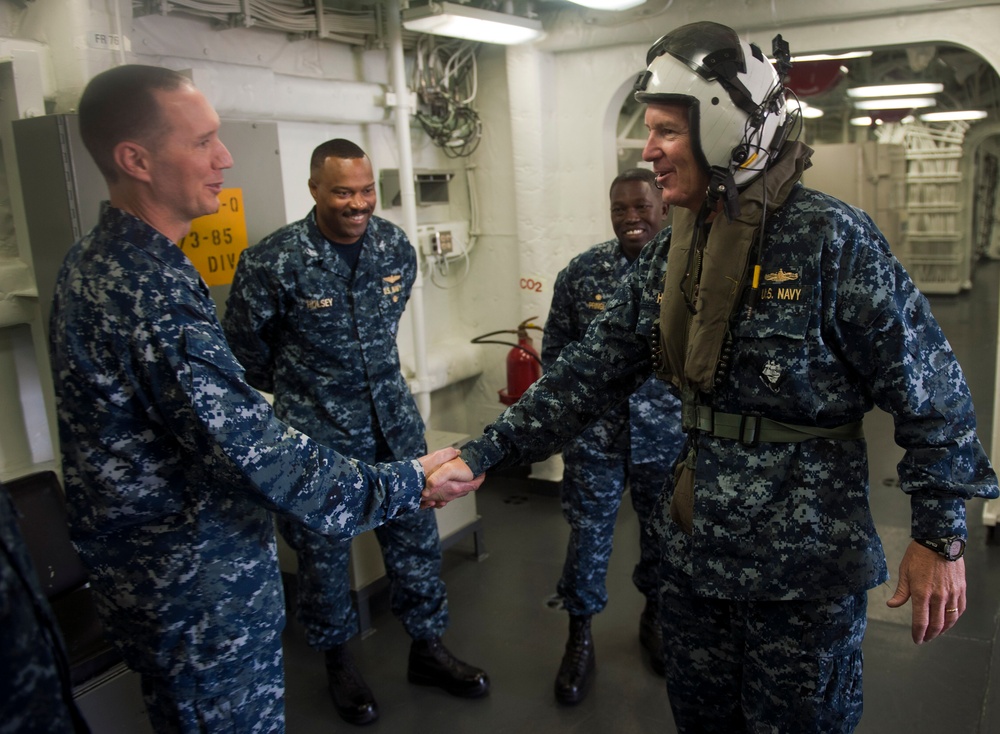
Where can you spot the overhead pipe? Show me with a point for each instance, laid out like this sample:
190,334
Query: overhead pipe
408,197
249,92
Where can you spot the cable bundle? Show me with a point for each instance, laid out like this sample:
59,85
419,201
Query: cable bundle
444,80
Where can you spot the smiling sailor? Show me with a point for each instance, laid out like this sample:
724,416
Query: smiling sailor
313,315
784,319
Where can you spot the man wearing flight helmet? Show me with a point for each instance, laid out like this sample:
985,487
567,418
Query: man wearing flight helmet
784,319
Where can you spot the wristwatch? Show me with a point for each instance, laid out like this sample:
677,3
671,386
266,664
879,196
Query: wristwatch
951,548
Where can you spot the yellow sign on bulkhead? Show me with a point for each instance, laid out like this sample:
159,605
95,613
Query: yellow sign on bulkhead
216,240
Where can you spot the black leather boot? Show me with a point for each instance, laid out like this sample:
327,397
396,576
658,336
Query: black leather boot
578,663
351,696
432,664
651,637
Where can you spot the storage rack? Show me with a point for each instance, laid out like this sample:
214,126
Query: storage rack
934,245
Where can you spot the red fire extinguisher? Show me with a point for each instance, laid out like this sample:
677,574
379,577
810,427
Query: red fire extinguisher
523,363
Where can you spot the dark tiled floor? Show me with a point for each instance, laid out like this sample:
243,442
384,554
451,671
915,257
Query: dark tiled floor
500,619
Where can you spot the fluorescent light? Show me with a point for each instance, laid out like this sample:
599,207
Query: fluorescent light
808,111
831,57
867,121
953,115
896,90
473,24
608,4
895,103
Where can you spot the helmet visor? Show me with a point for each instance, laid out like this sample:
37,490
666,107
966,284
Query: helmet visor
709,49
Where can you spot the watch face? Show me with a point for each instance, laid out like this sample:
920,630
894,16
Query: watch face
954,548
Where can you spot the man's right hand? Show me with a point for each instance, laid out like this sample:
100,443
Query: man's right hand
451,480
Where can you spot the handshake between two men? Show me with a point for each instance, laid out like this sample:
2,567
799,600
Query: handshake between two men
448,478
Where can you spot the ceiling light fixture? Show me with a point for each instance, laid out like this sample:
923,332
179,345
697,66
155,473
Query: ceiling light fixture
896,90
831,57
808,111
472,24
953,115
895,103
608,4
867,121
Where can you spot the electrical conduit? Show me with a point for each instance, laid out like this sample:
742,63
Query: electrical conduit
401,113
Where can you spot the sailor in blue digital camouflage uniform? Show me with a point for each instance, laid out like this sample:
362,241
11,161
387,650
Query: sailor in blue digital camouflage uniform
36,691
780,340
172,463
313,314
635,442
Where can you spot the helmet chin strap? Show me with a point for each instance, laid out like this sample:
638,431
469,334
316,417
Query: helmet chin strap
722,186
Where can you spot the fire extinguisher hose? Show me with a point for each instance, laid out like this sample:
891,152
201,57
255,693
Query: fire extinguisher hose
524,325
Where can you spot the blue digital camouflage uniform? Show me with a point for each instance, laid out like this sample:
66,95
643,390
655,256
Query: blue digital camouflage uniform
36,694
841,330
171,463
636,441
325,345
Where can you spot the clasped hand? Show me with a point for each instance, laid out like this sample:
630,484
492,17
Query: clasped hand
447,478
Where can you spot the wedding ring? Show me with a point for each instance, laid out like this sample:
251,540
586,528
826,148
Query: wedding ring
951,611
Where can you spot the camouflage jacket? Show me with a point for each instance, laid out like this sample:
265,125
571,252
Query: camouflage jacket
171,461
35,689
324,343
646,426
847,330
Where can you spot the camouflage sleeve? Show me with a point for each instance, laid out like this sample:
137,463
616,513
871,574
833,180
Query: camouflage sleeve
215,414
589,377
890,336
409,266
250,309
34,695
560,325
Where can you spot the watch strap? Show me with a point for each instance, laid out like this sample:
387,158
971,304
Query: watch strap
942,546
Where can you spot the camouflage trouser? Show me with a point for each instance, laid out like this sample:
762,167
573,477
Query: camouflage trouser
591,493
772,666
411,550
248,699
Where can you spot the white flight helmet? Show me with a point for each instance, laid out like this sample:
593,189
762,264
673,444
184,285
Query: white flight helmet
734,96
